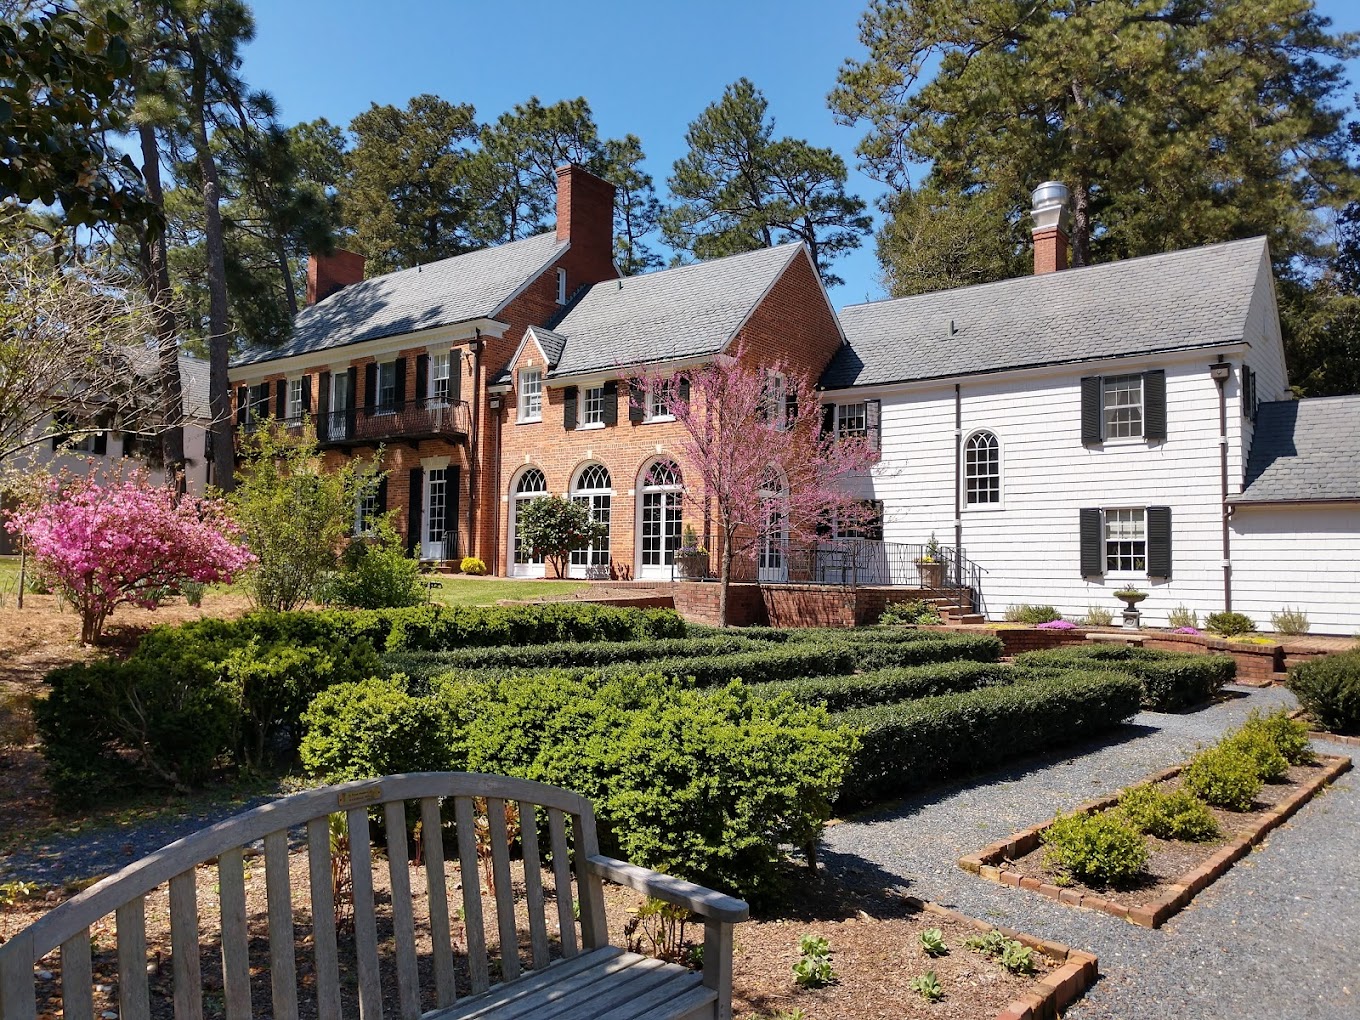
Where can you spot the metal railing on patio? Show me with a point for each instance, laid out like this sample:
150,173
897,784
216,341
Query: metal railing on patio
403,419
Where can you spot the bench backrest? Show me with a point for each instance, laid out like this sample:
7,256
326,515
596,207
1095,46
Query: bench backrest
479,828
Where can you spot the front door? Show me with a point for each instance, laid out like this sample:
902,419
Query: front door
773,560
342,404
436,514
660,512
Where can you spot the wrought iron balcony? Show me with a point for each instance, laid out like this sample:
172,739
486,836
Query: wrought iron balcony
400,421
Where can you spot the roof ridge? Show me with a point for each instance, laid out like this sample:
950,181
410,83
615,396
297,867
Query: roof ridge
702,263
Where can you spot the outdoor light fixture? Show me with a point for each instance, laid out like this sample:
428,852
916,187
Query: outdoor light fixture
1220,372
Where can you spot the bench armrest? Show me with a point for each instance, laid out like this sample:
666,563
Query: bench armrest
704,902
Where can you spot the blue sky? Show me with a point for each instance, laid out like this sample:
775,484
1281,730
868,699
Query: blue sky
646,67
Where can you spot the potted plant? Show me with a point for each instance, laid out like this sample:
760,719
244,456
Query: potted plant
691,559
1131,597
931,564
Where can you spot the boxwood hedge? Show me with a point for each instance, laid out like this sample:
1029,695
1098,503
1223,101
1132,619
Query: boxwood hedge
1328,688
881,686
908,745
1171,680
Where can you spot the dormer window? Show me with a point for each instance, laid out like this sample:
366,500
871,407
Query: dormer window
531,394
561,286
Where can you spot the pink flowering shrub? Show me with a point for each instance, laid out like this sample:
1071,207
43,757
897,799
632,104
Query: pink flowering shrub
1056,625
126,540
1185,630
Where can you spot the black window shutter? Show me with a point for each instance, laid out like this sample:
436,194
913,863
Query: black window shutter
824,525
422,377
828,419
382,495
101,443
637,401
352,373
281,399
1092,543
455,377
875,528
370,386
569,408
1159,541
306,394
684,388
1091,432
129,443
401,381
413,520
242,403
1154,405
611,402
451,513
323,406
873,417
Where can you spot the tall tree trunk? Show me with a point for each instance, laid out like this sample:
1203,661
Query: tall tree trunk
219,391
289,289
725,576
155,271
1081,223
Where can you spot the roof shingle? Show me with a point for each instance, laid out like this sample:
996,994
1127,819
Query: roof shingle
1304,450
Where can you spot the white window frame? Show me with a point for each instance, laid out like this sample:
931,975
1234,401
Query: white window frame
1136,519
388,368
591,413
774,399
253,400
295,398
561,286
339,427
1132,428
660,394
530,567
441,371
530,395
432,524
979,506
365,510
858,410
669,526
599,500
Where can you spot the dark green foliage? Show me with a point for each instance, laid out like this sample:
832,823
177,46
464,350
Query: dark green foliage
1025,613
1170,680
1229,624
376,573
882,686
1290,736
1168,814
1328,688
1098,849
1224,776
910,612
907,746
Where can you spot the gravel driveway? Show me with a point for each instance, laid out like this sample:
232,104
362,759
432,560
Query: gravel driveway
1275,938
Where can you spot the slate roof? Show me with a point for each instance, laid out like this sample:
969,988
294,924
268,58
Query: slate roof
193,380
684,312
1304,450
458,289
1175,301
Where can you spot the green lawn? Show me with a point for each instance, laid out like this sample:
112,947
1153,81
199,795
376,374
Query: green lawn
9,574
471,591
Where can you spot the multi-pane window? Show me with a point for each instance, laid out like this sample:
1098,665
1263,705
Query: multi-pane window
257,403
659,397
385,400
531,394
592,405
772,397
1122,404
660,513
852,419
294,399
1125,540
342,402
594,491
436,507
440,367
531,485
982,469
366,513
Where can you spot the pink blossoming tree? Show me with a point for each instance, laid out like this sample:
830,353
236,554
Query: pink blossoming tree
125,540
767,471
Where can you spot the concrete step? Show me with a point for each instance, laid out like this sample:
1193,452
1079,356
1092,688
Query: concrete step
964,619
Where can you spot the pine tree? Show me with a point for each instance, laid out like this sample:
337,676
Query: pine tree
637,210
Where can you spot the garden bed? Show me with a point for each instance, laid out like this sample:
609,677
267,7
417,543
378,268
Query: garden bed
1176,870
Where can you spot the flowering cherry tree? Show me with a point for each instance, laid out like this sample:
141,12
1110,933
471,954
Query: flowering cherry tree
125,540
766,469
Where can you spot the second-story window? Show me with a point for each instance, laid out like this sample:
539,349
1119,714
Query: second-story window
592,405
258,404
386,398
561,286
1122,401
659,396
852,419
772,399
439,377
295,399
531,394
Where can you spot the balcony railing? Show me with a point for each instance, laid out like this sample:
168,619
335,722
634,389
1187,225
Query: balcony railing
401,420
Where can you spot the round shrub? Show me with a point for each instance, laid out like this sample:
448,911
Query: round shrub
1328,688
1229,624
376,573
1098,849
1256,745
1290,736
1224,776
1168,815
910,612
472,565
1025,613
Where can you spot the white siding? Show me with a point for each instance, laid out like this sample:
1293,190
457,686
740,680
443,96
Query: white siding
1299,556
43,457
1266,358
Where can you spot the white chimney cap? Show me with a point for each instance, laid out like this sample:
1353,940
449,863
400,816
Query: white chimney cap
1050,206
1050,193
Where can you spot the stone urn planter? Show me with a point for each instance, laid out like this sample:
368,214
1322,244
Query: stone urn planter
1131,597
932,573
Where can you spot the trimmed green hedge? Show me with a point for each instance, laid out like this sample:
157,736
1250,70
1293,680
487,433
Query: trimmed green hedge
1328,688
1171,680
906,746
881,686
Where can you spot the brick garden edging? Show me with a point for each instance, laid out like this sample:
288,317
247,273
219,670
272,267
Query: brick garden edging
1056,991
989,862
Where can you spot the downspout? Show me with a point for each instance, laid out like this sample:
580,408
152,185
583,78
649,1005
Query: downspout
1220,373
498,405
958,484
474,445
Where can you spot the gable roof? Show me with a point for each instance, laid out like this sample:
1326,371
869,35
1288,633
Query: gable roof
193,380
1304,451
1175,301
684,312
458,289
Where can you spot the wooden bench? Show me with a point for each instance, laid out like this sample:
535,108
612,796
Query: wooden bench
576,975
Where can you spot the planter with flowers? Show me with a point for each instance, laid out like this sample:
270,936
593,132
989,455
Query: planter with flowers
691,559
931,565
1131,597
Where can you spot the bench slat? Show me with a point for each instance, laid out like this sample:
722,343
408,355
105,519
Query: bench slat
587,974
697,1002
466,831
505,889
533,884
662,995
432,835
184,959
282,954
77,978
18,998
134,995
589,889
365,922
231,878
652,980
403,923
566,912
325,948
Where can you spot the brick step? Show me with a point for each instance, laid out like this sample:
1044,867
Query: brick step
964,619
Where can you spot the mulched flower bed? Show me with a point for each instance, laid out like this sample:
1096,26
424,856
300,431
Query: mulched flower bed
1176,870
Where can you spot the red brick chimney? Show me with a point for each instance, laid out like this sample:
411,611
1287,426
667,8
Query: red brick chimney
1051,218
585,217
328,273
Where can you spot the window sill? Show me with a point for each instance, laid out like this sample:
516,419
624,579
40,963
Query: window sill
590,426
1126,441
983,508
660,419
529,421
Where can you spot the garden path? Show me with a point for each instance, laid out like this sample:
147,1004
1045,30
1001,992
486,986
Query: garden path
1275,937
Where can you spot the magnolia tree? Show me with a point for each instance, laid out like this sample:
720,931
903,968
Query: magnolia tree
125,540
766,469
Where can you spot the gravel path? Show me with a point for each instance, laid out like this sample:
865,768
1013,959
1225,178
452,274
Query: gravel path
1275,937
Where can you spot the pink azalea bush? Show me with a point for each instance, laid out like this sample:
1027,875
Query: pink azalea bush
126,540
1056,625
1185,630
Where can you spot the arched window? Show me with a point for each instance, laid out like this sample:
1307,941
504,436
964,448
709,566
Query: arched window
982,469
530,486
594,490
659,518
